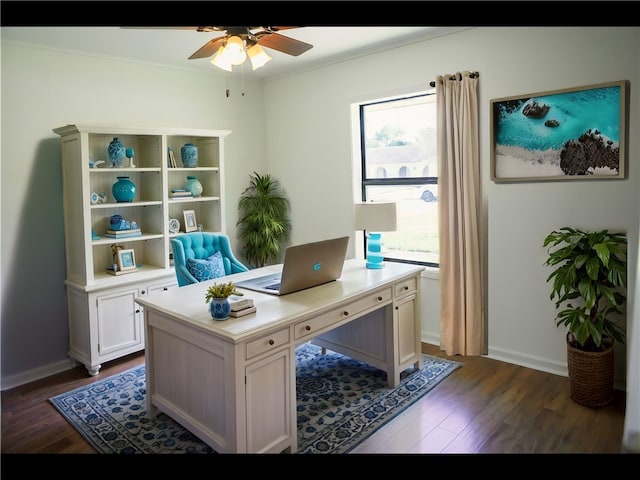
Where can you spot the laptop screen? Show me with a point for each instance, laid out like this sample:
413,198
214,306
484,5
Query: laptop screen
305,266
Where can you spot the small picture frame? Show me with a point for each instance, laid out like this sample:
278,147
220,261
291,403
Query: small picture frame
126,260
190,224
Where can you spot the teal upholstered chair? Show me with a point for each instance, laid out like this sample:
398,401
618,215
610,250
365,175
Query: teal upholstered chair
199,256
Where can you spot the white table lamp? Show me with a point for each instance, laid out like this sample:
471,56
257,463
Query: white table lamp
375,218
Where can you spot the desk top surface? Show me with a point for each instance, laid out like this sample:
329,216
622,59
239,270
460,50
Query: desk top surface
187,304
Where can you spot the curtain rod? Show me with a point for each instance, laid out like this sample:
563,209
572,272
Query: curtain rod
458,76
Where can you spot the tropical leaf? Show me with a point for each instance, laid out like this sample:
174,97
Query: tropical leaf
263,222
589,268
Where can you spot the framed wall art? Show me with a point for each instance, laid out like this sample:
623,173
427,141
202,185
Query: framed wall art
190,224
572,134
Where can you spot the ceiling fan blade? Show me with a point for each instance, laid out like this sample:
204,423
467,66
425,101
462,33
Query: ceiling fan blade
277,29
208,48
281,43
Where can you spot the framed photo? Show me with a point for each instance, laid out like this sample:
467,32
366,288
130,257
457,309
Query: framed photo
126,260
577,133
190,224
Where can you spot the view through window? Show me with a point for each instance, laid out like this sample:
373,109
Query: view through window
399,163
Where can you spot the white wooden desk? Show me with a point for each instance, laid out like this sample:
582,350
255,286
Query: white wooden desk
232,382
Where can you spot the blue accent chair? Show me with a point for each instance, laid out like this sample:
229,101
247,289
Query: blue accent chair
201,245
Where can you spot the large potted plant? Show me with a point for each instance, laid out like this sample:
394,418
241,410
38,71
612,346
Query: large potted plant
264,224
589,281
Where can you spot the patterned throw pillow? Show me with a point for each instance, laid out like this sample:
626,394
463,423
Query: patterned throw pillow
206,269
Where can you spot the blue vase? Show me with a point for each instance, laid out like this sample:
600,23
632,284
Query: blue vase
194,185
220,308
375,256
116,152
189,155
124,190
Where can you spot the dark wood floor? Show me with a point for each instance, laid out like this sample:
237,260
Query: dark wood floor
488,406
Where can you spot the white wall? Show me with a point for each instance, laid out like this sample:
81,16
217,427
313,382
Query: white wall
299,130
43,89
309,150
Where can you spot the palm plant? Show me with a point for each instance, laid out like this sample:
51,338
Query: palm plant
264,225
589,283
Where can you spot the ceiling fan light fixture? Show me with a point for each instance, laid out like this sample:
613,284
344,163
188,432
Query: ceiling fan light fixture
221,60
258,56
234,50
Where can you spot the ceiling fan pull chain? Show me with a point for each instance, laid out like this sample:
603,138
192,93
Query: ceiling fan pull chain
242,73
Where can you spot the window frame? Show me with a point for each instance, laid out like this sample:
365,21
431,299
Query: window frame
394,181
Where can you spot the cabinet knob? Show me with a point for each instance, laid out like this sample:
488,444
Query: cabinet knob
166,288
307,328
345,313
143,292
138,311
406,287
271,342
379,299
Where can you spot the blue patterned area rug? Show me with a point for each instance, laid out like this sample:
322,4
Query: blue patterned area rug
340,402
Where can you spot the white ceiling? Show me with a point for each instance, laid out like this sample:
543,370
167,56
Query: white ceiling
173,46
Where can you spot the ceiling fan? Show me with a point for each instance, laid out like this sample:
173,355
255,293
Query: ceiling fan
233,47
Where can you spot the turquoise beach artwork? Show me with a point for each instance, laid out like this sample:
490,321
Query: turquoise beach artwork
574,133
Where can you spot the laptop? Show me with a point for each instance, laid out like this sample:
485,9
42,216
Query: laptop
304,266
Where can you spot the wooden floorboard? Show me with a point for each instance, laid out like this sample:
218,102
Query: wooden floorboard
485,407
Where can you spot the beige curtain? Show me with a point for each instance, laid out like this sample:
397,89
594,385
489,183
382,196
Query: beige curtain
462,328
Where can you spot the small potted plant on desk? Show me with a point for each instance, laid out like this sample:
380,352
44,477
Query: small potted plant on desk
218,299
589,280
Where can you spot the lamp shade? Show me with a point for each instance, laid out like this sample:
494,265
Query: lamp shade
220,60
375,217
257,56
234,50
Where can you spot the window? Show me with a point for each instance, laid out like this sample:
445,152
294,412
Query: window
399,163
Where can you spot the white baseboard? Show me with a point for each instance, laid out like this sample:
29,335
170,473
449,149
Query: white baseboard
516,358
13,381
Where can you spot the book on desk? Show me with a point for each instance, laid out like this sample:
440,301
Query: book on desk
242,312
239,302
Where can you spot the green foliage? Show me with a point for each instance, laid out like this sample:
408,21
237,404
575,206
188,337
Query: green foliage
589,282
264,225
221,290
387,137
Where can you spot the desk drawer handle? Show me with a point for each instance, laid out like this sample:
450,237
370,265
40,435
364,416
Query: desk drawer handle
379,299
406,287
271,342
307,328
345,313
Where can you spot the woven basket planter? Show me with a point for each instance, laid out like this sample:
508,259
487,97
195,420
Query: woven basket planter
591,375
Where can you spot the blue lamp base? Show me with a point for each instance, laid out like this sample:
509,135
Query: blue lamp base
374,251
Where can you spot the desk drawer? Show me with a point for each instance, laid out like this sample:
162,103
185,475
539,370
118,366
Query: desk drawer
312,326
404,288
267,343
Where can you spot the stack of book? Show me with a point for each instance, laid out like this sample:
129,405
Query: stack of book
172,159
111,271
134,232
180,193
241,306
